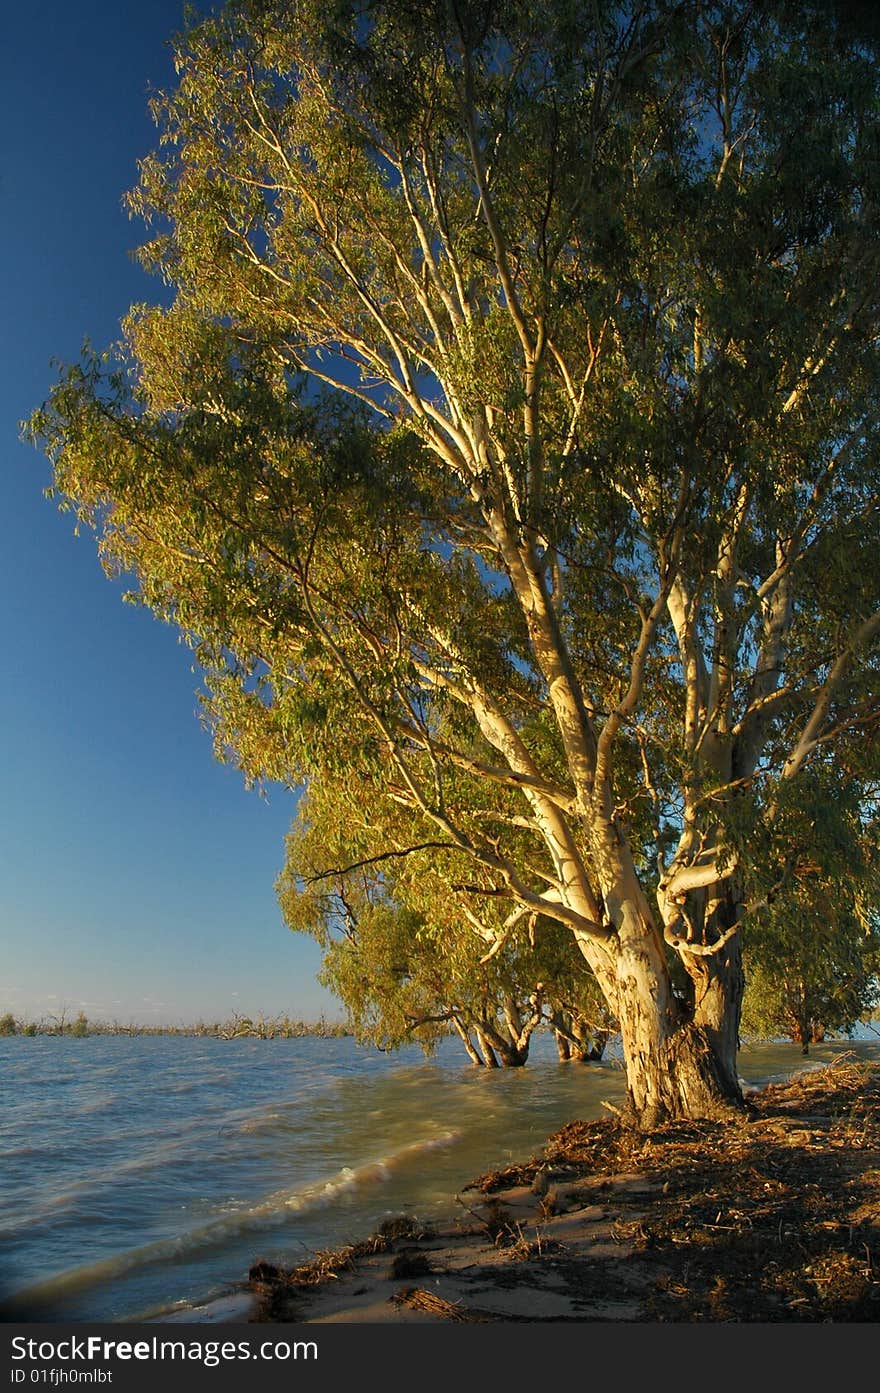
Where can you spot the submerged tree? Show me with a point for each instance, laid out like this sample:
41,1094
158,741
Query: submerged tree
405,952
600,537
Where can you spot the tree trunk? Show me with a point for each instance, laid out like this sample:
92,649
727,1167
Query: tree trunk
488,1053
679,1063
512,1054
467,1042
592,1050
801,1011
575,1040
719,983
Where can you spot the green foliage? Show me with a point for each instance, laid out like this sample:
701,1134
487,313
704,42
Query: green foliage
811,970
7,1024
812,954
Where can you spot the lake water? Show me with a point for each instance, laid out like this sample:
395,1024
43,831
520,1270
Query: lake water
143,1174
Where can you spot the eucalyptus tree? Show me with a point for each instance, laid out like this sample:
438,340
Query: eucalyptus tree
602,285
404,951
813,957
813,974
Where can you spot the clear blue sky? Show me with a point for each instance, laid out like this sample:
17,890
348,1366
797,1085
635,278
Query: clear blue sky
136,873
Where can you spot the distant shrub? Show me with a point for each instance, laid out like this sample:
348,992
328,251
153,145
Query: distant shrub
7,1024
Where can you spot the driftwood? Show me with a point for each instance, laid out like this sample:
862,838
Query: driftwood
419,1300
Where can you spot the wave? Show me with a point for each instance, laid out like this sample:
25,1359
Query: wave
182,1139
85,1189
13,1153
266,1122
267,1213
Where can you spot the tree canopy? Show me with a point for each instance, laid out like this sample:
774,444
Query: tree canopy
510,438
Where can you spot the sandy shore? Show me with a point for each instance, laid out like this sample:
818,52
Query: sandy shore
774,1218
492,1263
510,1258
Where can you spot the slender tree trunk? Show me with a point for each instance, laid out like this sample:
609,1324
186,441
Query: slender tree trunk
488,1053
467,1042
802,1031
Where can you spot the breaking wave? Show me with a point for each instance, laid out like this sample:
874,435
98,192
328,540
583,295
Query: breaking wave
268,1213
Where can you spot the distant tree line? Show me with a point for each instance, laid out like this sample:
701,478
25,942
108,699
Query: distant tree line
260,1027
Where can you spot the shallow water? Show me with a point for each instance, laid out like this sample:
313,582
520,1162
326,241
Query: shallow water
139,1174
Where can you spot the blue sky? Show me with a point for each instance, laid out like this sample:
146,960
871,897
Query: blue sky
136,873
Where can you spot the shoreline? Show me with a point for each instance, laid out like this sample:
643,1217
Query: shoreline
775,1218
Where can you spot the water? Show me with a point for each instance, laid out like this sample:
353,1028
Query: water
142,1174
